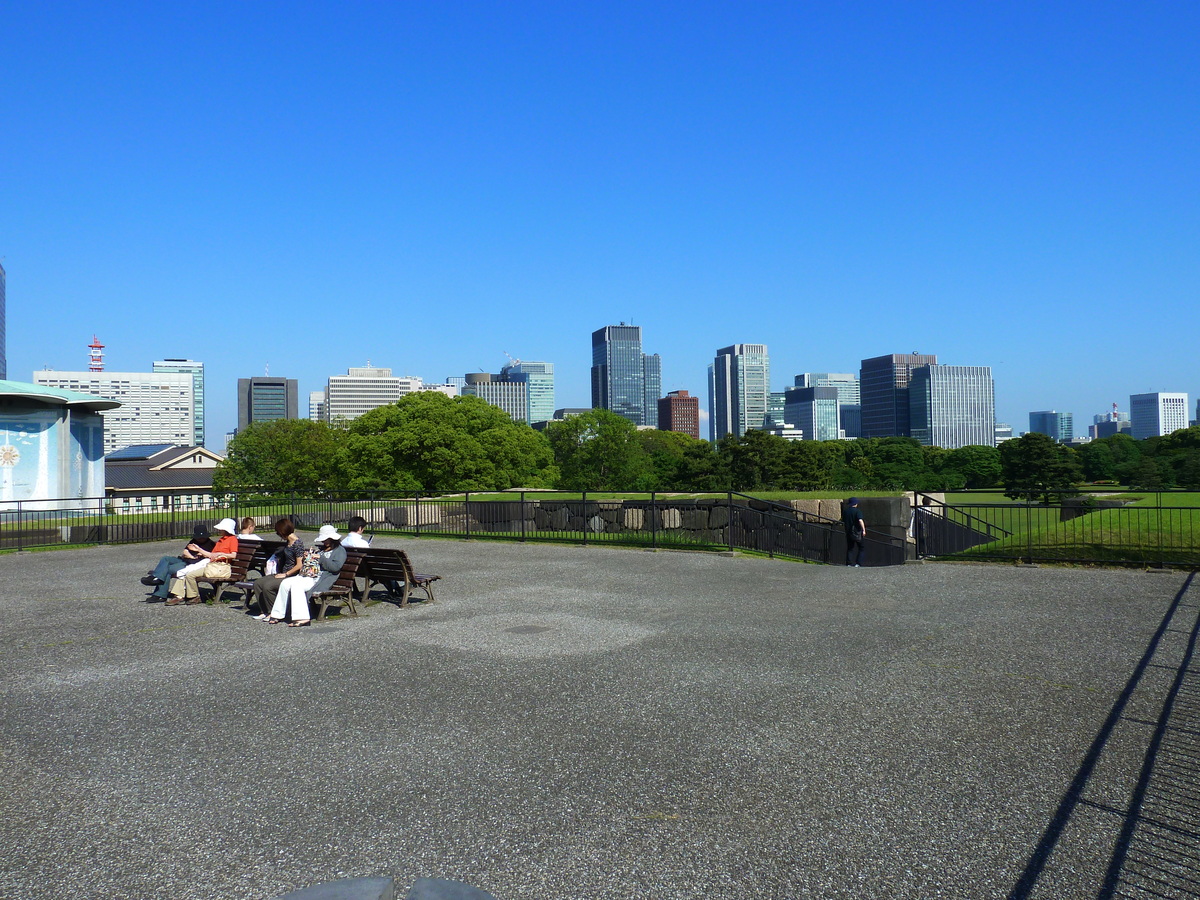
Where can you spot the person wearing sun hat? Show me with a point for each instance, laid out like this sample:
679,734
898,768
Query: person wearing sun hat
318,570
217,566
170,567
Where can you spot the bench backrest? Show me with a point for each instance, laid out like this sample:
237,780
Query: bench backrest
384,564
345,579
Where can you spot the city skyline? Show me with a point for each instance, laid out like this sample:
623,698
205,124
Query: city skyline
1012,186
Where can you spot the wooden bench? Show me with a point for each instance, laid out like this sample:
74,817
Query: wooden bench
392,568
251,556
342,590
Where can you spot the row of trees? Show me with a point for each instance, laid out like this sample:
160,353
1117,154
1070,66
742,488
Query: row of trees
430,443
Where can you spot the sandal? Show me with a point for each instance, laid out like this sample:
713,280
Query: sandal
274,621
300,624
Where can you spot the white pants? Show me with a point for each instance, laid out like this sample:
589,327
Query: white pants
291,590
191,568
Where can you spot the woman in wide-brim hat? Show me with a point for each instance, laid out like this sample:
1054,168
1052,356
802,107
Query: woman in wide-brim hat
186,589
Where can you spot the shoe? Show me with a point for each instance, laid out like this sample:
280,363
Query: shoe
195,601
174,601
300,624
151,581
857,566
261,617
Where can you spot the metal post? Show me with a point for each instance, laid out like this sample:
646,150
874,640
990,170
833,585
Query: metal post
653,521
583,509
522,517
21,529
1161,557
467,512
729,524
1029,531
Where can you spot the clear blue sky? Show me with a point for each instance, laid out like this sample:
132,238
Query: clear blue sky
427,186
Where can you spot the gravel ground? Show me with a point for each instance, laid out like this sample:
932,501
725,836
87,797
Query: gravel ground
569,722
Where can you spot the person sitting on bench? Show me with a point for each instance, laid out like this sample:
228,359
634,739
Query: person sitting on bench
168,567
318,571
216,566
287,562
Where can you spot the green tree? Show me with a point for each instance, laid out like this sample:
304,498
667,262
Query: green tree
898,462
1097,461
979,465
1034,466
599,451
283,455
757,460
429,443
679,462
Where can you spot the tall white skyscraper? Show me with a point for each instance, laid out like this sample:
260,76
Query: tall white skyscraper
739,385
511,394
196,370
1156,414
156,407
952,406
363,389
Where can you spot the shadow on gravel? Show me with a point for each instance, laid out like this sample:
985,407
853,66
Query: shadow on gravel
1157,851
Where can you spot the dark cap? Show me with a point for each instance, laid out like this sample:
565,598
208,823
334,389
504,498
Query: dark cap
200,533
853,501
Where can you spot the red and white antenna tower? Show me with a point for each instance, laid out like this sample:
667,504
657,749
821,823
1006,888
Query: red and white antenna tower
95,355
1115,417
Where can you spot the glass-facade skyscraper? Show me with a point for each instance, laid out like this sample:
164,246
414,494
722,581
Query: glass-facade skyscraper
1060,426
815,411
952,406
883,381
265,399
739,387
196,370
624,379
849,397
539,376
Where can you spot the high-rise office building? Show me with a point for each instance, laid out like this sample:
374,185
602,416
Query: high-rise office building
624,379
156,407
509,391
1003,433
883,382
679,411
316,406
363,389
1060,426
266,398
3,326
952,406
814,410
539,377
196,370
739,385
849,397
1156,414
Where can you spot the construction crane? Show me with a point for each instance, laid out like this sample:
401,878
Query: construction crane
511,360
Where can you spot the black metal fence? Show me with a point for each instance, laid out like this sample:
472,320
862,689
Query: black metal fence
654,521
1159,528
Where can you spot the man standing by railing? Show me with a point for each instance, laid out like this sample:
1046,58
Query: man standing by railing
856,533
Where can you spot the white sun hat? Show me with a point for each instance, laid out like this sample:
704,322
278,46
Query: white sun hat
227,525
328,532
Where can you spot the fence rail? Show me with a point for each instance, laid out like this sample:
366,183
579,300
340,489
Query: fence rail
733,521
1140,529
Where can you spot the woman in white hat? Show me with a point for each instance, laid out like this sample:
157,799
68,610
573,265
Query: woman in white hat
226,548
318,570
